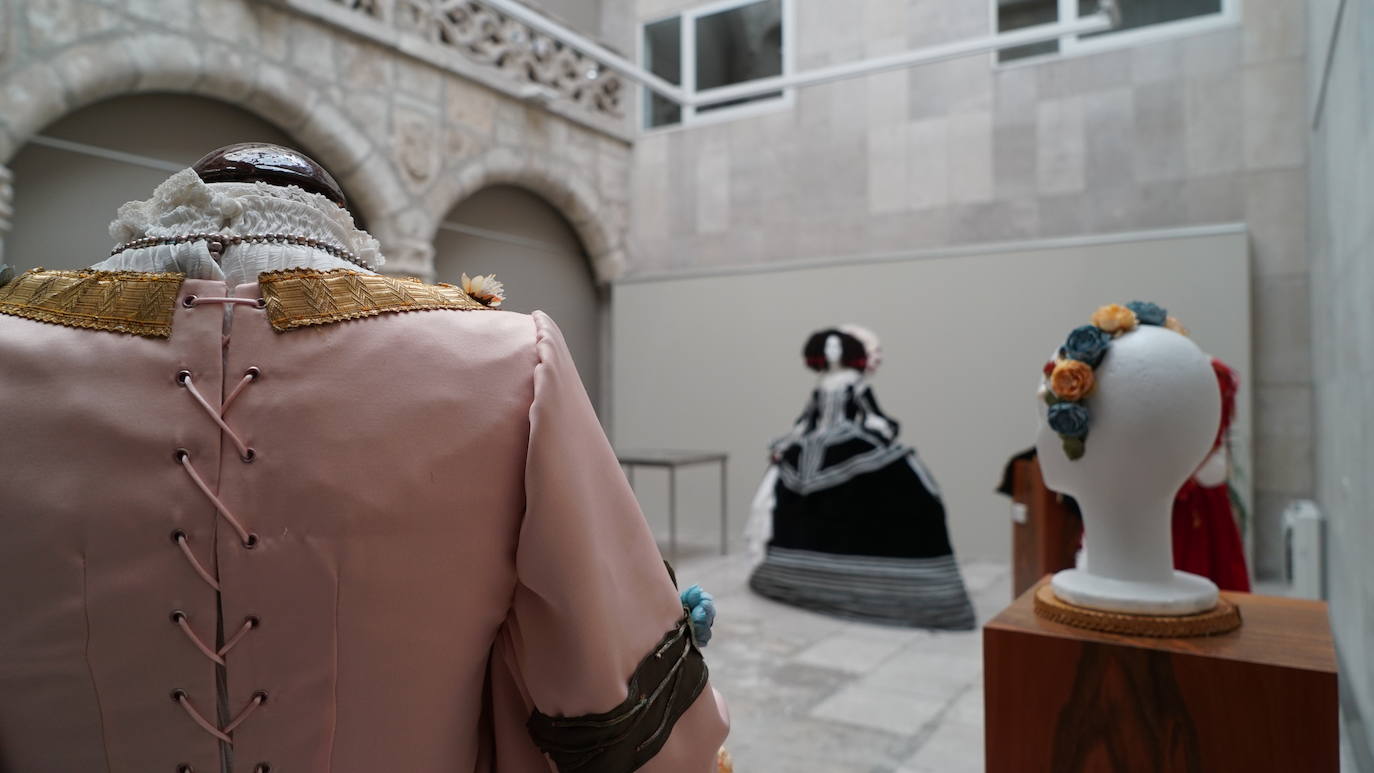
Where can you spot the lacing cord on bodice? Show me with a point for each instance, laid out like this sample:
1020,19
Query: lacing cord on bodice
247,539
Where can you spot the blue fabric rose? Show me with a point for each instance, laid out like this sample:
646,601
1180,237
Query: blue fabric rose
1068,419
701,613
1087,344
1148,313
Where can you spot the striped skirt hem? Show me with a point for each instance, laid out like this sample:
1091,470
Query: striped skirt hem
916,592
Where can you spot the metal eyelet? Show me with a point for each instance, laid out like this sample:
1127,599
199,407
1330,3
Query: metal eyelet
254,373
177,615
250,456
262,303
251,542
183,376
189,301
262,767
177,536
178,695
253,621
181,455
185,769
260,696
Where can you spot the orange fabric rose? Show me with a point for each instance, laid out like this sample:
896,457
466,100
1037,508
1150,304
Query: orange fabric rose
1173,324
1072,380
1115,319
723,762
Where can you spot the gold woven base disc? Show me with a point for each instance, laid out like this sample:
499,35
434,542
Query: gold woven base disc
1221,619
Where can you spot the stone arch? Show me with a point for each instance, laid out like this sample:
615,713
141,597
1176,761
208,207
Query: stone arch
83,74
558,183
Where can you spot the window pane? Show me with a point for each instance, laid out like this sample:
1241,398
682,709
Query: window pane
738,45
1141,14
663,57
1016,14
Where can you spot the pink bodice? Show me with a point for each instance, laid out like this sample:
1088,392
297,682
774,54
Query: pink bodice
428,538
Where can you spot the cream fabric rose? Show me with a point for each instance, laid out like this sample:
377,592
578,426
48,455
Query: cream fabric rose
484,289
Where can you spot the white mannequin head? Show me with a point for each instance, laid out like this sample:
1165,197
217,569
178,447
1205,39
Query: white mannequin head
834,350
1153,413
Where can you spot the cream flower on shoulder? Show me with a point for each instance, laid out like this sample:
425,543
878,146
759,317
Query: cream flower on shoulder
484,289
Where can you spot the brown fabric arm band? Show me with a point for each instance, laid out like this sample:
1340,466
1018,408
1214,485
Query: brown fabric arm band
664,685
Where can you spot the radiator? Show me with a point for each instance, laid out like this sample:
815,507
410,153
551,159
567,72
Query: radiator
1304,554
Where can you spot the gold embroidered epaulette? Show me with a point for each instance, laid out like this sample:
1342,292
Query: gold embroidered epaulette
117,301
299,298
143,304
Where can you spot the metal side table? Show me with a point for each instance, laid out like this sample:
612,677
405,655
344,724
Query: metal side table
672,460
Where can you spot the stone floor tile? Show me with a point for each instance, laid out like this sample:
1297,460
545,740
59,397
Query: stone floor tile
850,653
893,712
954,747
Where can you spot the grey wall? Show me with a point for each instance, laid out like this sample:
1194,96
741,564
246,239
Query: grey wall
1205,128
714,362
1342,243
64,201
521,238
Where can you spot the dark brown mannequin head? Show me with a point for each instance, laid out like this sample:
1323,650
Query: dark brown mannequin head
273,164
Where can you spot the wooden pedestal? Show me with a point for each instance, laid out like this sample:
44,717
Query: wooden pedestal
1064,700
1047,540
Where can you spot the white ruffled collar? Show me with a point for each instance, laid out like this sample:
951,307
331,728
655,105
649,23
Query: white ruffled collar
184,204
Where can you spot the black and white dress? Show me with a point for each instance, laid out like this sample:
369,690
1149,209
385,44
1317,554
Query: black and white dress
851,522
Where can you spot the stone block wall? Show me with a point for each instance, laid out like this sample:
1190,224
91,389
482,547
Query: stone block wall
407,138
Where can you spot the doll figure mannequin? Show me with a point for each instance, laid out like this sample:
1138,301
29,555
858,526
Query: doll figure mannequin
848,521
1154,416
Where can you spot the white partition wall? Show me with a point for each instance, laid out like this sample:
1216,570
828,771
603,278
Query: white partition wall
713,361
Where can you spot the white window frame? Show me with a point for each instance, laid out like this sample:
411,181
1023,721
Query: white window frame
687,29
1071,45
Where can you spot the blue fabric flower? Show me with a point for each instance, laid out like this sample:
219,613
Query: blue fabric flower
701,613
1087,344
1068,419
1148,313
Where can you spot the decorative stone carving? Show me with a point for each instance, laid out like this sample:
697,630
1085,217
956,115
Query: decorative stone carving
489,38
416,147
374,8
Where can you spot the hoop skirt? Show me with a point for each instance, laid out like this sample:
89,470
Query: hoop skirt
853,522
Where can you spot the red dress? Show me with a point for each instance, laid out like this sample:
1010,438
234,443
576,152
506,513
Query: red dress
1206,540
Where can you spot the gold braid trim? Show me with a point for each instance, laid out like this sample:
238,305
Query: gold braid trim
117,301
299,297
1223,618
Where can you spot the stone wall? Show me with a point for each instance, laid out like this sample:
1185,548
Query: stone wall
407,137
1205,128
1342,245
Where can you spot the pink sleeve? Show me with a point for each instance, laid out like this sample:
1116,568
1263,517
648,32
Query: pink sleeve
593,599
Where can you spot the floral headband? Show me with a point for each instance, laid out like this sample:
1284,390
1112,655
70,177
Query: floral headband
1069,377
